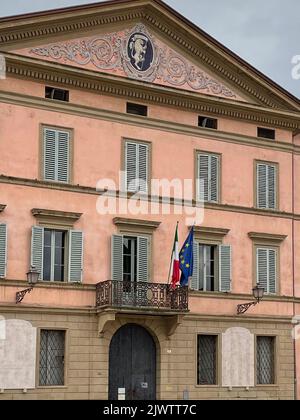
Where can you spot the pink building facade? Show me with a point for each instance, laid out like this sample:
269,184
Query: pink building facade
93,98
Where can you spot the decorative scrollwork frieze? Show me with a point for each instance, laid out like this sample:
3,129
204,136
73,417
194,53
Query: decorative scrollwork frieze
136,54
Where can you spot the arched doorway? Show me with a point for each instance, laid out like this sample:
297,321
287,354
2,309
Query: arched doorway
132,364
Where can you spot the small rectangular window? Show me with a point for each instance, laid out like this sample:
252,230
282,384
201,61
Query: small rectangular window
57,94
265,354
207,360
52,358
137,109
266,133
207,122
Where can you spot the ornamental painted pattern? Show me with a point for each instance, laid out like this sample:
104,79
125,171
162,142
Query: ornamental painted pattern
136,53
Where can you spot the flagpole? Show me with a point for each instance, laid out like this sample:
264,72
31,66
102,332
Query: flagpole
171,260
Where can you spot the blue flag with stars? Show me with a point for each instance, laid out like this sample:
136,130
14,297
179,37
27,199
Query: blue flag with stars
186,259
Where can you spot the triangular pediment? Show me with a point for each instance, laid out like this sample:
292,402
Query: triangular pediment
135,53
142,40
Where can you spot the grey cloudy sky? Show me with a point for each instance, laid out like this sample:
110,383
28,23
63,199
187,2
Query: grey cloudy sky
263,32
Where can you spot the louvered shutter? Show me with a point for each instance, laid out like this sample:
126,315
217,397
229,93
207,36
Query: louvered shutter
49,154
272,271
117,258
262,186
225,268
63,153
195,278
131,165
262,268
214,179
3,250
143,259
143,162
271,178
203,177
75,256
37,249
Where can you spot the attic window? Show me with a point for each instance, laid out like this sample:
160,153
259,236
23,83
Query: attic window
57,94
207,122
137,109
266,133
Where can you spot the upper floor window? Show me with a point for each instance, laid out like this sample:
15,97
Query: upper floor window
265,360
266,184
137,166
207,122
56,145
52,358
55,93
208,177
3,249
57,254
130,259
137,109
266,267
212,268
266,133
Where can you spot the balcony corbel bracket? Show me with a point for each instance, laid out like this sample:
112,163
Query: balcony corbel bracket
104,320
172,324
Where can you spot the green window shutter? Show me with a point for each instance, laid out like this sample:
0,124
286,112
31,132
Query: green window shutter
225,268
3,250
272,271
203,177
63,156
266,186
195,278
49,154
272,187
117,258
37,249
214,179
267,269
131,166
143,166
56,155
142,259
75,256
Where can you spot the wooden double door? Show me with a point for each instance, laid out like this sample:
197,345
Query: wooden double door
132,364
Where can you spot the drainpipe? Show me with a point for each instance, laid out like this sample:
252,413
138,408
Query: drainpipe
293,257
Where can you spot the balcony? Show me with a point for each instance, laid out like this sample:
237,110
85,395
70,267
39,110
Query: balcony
138,295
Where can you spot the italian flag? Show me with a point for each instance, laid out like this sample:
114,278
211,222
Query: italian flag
175,261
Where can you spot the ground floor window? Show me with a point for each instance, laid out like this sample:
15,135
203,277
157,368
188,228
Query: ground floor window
207,359
265,349
52,355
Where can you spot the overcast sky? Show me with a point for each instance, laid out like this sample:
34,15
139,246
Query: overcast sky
263,32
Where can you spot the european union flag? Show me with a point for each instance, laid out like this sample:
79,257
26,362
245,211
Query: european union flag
186,259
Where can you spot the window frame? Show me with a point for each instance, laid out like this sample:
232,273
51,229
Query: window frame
214,120
268,129
219,178
277,189
216,268
218,359
126,140
66,255
69,130
66,92
66,357
134,104
264,245
276,361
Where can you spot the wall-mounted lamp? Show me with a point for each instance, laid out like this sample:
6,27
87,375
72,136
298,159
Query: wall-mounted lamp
258,294
32,278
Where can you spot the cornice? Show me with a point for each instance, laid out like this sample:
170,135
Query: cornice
77,189
266,237
209,233
56,217
180,34
71,77
2,207
126,223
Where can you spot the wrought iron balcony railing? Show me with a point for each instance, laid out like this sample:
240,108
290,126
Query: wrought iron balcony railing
118,294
